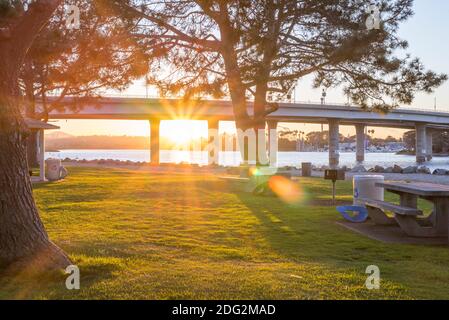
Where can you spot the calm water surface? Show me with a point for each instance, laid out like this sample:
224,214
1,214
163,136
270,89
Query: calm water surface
233,158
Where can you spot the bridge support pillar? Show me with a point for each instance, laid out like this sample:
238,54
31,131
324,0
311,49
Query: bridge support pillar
360,143
429,144
154,141
421,139
273,142
213,147
41,155
334,138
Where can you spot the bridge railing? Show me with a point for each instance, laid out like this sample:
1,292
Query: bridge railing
405,108
317,103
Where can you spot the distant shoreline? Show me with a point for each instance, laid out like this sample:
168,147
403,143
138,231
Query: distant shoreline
413,153
162,149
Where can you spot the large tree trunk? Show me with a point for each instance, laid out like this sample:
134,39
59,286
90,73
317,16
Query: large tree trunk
24,242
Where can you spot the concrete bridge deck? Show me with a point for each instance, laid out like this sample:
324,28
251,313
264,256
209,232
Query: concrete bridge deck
169,109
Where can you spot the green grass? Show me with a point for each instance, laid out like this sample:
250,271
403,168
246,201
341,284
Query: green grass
138,235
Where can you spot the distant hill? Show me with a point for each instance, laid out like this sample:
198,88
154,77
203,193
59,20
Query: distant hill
63,141
57,135
59,140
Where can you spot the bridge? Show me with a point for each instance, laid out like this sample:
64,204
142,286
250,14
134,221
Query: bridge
425,122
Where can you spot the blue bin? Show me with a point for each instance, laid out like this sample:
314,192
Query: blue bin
355,214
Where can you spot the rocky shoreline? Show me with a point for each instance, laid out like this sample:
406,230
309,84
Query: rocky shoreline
395,169
357,169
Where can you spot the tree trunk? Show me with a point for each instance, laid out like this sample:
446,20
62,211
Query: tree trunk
24,243
238,98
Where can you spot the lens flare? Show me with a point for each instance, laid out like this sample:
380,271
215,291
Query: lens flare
286,189
254,171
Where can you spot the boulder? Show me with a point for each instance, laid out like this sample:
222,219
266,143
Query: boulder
423,170
440,172
397,169
379,169
410,170
389,170
358,169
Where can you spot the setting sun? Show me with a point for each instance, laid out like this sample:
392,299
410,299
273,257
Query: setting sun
183,131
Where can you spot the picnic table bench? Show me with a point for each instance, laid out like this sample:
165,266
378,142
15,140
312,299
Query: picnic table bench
407,215
376,211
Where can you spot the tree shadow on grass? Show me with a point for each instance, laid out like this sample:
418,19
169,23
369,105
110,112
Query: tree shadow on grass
309,233
52,285
93,268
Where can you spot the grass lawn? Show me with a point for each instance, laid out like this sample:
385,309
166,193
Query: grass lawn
138,235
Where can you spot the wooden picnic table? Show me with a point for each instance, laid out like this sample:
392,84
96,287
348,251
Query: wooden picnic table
409,192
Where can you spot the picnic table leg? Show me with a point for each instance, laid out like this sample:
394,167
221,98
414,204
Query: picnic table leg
379,217
441,216
409,200
429,221
413,226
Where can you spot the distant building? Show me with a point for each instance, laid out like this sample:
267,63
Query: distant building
300,145
394,146
347,146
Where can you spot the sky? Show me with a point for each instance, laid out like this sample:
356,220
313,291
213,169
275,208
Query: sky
426,33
